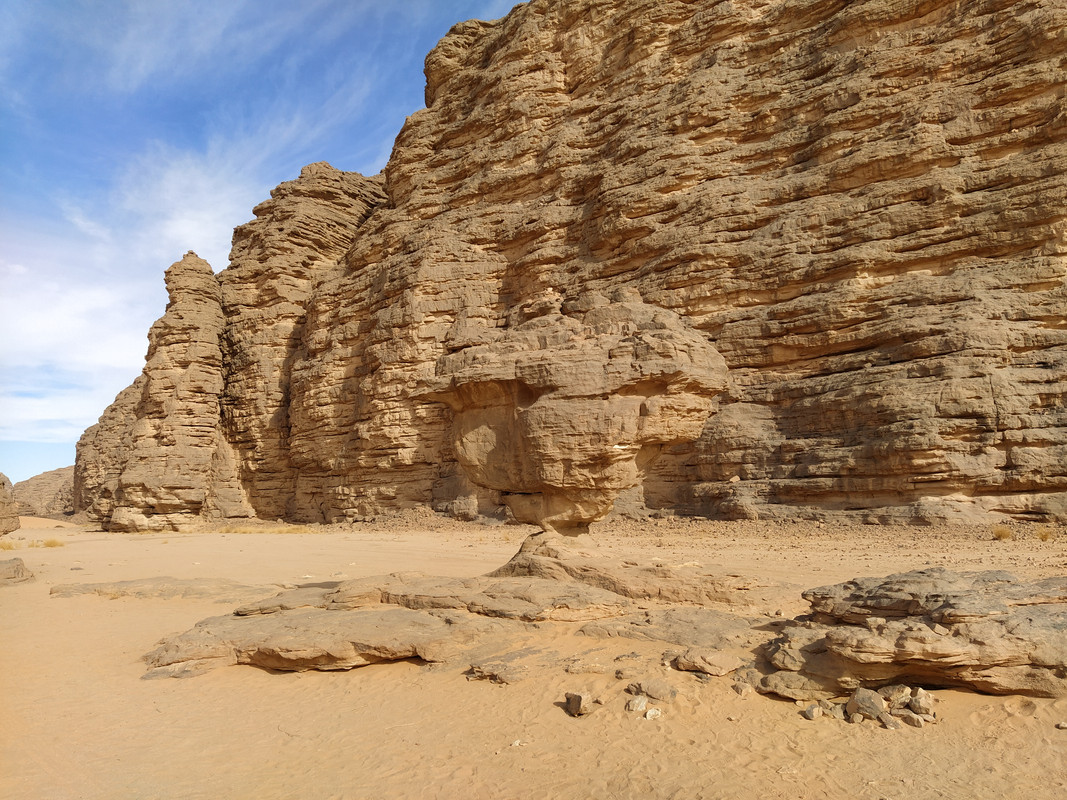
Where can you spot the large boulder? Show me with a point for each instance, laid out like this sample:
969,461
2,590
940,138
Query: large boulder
986,631
568,406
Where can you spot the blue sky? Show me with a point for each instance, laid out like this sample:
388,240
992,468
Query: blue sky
132,131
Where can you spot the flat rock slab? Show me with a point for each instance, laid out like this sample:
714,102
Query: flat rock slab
411,615
547,555
218,589
986,631
315,639
13,570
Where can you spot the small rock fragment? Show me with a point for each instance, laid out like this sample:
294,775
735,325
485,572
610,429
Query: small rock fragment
655,688
745,690
921,702
855,719
578,704
714,663
14,571
638,703
1061,726
653,713
908,717
832,709
896,696
888,721
811,712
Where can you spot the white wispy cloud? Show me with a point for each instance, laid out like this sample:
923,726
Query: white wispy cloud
147,128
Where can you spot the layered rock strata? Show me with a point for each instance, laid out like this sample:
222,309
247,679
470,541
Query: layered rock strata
859,206
172,466
479,621
46,495
561,412
980,630
9,515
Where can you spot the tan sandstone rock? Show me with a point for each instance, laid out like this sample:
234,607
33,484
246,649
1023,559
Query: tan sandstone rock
483,620
48,494
986,631
858,206
9,516
172,466
563,411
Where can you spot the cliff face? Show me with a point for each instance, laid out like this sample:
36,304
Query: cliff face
48,494
853,214
9,515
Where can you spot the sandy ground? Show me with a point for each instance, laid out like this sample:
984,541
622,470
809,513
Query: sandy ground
78,721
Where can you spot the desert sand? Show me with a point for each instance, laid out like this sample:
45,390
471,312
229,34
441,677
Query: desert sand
79,722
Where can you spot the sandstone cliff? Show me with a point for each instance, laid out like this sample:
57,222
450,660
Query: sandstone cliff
9,516
853,214
48,494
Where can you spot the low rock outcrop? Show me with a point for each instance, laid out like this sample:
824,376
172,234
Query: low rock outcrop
985,631
479,620
858,206
220,590
9,515
13,570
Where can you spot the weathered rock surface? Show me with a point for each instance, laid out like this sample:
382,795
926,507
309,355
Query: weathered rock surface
980,630
561,411
482,620
314,639
579,559
50,494
172,466
220,590
9,515
13,570
859,206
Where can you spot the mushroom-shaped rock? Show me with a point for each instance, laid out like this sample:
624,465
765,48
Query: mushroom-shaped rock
563,411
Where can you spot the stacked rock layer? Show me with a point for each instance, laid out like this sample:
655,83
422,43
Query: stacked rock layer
859,209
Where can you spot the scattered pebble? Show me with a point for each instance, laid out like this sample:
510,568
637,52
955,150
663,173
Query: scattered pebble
653,713
745,690
811,712
1061,726
889,721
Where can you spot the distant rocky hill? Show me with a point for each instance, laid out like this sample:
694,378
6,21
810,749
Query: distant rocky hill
739,260
49,494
